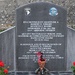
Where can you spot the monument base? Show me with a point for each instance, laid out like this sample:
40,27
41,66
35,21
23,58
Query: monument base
33,73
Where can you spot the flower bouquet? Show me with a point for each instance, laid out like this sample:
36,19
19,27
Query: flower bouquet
3,70
41,62
73,67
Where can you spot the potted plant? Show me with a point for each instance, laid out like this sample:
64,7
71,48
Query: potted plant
3,70
73,68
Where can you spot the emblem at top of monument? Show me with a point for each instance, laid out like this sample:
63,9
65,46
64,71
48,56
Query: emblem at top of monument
27,11
53,11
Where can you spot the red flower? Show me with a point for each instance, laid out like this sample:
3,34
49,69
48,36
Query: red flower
1,64
73,63
38,53
5,71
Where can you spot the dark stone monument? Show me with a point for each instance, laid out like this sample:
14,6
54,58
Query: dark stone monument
41,27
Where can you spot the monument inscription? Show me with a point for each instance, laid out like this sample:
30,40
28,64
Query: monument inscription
41,27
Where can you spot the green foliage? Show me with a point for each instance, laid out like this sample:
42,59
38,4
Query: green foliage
73,68
1,30
2,71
